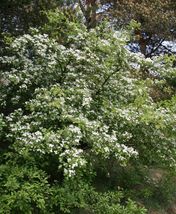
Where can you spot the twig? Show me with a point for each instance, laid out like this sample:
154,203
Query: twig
155,48
104,83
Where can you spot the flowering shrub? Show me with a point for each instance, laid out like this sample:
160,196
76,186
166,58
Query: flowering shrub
66,107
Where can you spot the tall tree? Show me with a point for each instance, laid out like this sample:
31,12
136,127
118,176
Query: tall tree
157,19
17,16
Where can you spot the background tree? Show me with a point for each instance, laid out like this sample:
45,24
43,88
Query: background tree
157,19
16,17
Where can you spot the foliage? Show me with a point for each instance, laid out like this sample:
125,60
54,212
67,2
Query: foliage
153,31
18,16
70,107
147,13
156,18
23,189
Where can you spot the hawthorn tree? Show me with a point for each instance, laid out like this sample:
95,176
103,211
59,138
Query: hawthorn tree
76,110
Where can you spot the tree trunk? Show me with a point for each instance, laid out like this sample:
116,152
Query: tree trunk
89,11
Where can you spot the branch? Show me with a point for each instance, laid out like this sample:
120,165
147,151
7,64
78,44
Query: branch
155,48
172,52
104,82
82,7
